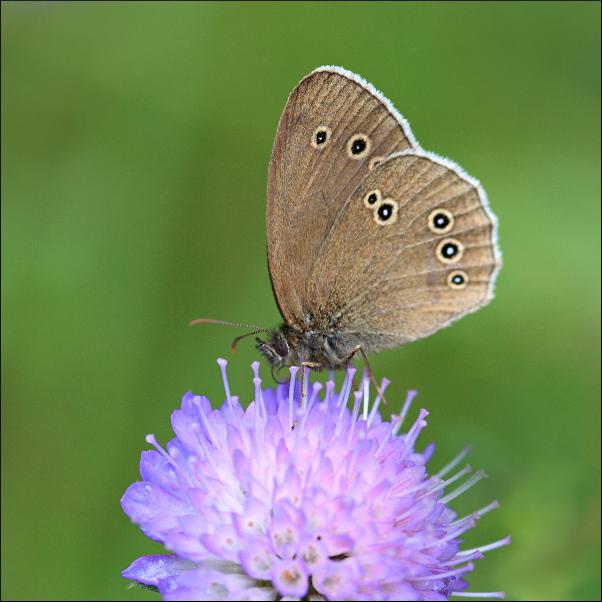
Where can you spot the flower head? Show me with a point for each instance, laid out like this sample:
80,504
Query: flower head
300,499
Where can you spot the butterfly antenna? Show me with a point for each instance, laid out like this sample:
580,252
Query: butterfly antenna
244,336
257,330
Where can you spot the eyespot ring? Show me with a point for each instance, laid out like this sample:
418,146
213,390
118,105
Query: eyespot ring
374,162
372,198
440,221
358,146
458,279
320,136
450,250
385,213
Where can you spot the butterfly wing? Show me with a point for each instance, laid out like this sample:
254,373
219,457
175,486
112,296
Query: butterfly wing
333,130
413,249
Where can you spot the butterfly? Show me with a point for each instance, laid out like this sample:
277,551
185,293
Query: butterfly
372,241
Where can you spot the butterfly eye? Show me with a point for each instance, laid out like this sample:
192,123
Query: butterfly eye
440,221
457,279
374,162
372,198
281,347
450,250
320,136
386,213
358,146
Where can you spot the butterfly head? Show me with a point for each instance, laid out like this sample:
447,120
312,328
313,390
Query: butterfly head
277,350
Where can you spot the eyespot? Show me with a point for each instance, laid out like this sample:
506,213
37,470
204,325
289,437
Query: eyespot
440,221
374,162
372,198
358,146
386,212
450,250
320,136
457,279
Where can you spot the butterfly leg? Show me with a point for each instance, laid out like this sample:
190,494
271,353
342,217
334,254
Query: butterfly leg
360,349
355,385
303,386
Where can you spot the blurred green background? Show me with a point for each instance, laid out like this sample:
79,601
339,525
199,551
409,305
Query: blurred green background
135,146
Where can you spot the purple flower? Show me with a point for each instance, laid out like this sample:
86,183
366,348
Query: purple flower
297,499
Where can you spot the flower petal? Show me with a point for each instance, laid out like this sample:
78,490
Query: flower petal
151,569
155,510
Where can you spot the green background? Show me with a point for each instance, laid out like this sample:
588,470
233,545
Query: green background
135,145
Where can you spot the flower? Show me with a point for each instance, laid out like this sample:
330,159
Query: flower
300,498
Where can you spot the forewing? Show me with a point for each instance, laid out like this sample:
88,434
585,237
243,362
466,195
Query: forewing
333,130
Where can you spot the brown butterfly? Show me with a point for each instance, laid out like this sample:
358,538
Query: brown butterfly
372,241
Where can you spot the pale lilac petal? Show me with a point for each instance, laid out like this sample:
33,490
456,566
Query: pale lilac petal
151,569
154,509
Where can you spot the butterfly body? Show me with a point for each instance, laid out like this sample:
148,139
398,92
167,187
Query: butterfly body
323,349
372,241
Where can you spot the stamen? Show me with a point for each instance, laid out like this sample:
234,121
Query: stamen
305,388
491,546
404,410
457,532
235,404
317,386
408,402
356,410
478,513
446,483
346,390
474,556
150,439
492,506
291,394
454,462
366,395
463,569
441,485
476,477
413,433
259,398
262,412
383,385
222,364
496,595
329,389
